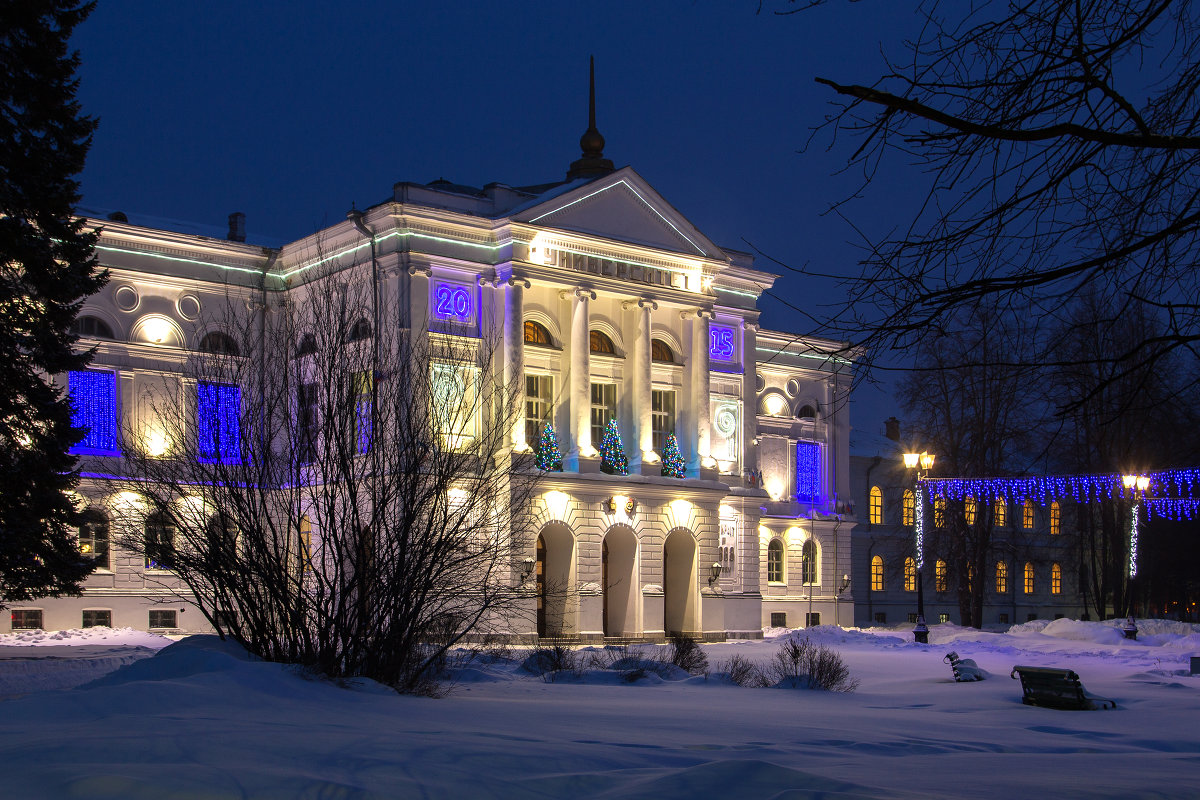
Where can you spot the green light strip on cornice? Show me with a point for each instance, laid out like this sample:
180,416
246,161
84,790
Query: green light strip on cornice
736,291
178,259
830,357
384,238
699,249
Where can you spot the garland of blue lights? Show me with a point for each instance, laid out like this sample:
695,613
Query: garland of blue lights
808,472
94,408
218,419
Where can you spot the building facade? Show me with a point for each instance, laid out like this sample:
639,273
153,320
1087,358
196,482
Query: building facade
612,307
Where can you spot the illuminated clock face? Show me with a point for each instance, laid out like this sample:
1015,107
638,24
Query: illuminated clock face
721,343
452,302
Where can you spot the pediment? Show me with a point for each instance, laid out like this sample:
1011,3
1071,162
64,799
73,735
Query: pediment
623,207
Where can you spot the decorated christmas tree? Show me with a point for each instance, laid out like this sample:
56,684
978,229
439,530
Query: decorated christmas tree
548,456
612,454
673,465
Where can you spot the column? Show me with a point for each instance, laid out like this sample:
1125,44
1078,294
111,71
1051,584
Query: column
639,383
750,400
418,300
700,388
514,357
580,378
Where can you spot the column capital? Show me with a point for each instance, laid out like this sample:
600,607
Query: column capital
699,313
578,292
752,326
641,302
421,269
517,281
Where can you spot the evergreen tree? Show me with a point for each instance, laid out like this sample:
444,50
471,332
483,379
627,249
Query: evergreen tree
673,465
612,453
48,269
548,456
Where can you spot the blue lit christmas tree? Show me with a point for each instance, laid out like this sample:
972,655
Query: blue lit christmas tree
673,465
612,454
546,449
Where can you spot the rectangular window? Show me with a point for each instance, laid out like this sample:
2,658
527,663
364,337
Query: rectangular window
539,406
880,617
812,619
604,410
162,619
808,472
306,423
97,618
26,619
912,617
778,619
218,421
160,543
455,394
93,539
94,408
1030,617
1002,619
362,387
943,617
662,417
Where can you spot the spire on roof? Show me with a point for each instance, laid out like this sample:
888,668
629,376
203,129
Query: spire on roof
592,163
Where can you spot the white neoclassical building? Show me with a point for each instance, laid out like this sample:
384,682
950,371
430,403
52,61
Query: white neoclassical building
613,307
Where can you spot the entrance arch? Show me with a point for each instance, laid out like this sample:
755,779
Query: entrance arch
680,602
555,570
618,558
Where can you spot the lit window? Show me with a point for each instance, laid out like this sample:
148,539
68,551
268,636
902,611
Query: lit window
305,554
539,404
808,562
910,574
604,409
970,577
662,417
940,582
1001,577
1055,518
94,408
775,561
536,333
969,510
1028,577
1027,515
1001,511
909,508
160,543
939,512
1055,579
661,351
877,574
876,514
93,537
218,420
598,342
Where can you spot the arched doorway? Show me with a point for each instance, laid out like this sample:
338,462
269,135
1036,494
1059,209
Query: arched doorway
680,603
555,571
618,558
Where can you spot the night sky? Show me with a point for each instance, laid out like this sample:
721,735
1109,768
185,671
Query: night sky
290,112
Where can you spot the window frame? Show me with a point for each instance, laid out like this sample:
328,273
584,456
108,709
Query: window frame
219,432
877,582
910,574
810,563
539,405
875,506
601,411
662,420
776,560
1028,582
91,524
941,576
1056,578
159,555
1001,577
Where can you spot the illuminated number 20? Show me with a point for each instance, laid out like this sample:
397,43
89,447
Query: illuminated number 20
452,301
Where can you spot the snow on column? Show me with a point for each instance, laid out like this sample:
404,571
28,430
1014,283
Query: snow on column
514,353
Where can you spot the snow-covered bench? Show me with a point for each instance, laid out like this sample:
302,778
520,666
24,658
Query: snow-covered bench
1056,688
965,669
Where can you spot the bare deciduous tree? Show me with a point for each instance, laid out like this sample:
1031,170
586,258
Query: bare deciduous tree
338,493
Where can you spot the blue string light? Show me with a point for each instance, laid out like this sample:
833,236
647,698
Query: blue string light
94,407
218,419
808,472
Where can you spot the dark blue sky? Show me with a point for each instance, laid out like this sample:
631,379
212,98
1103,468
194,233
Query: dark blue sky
290,112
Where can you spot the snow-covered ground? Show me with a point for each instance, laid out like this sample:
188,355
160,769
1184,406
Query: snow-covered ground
200,719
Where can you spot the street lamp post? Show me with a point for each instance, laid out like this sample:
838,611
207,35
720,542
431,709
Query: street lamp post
922,462
1136,485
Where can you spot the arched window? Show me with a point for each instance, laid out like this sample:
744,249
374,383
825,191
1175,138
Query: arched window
1027,515
876,506
359,331
160,541
969,510
1055,579
808,562
93,537
1001,512
307,345
877,574
775,561
940,581
218,342
661,351
939,512
536,333
910,574
598,342
1001,577
909,506
92,327
807,412
1055,518
1028,577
